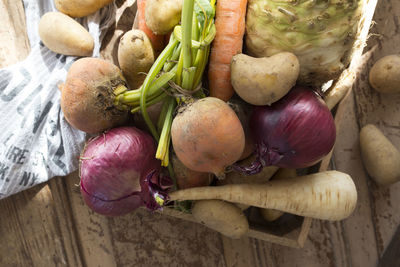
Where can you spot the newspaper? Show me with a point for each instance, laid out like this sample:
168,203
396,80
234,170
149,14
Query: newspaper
36,142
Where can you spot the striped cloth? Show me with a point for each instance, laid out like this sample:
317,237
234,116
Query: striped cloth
36,142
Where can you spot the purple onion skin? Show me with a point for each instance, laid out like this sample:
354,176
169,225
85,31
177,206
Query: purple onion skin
119,172
295,132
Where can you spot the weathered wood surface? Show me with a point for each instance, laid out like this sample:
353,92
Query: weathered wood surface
49,225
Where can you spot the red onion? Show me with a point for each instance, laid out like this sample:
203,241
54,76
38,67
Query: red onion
294,132
119,172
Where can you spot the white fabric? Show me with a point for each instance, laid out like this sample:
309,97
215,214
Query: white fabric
36,142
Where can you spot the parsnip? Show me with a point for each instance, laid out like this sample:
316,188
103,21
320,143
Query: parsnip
271,214
329,195
235,177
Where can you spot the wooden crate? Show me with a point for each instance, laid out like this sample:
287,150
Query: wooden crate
296,237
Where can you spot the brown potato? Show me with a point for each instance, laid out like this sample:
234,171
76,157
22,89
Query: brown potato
135,57
221,216
263,81
380,157
162,15
80,8
270,215
64,35
384,75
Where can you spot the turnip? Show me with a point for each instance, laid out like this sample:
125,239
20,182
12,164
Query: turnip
207,136
88,95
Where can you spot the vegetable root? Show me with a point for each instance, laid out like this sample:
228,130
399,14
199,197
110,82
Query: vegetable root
207,136
135,57
87,97
270,214
380,157
230,24
329,195
157,41
221,216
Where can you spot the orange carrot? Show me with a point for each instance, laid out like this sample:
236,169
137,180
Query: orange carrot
157,41
230,25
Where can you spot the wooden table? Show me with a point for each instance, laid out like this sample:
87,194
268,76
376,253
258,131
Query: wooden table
49,225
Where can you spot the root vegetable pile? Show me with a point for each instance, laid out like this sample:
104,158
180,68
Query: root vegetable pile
185,60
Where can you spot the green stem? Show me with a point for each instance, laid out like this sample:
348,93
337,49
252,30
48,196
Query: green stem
163,144
174,58
195,36
150,102
201,65
162,116
179,69
154,70
133,96
178,35
187,19
188,77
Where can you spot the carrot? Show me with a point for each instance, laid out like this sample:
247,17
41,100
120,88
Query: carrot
329,195
230,25
157,41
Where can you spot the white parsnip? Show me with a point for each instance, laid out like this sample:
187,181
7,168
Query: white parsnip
329,195
271,214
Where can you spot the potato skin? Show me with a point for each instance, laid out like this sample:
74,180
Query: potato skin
221,216
80,8
263,81
380,157
384,75
64,35
135,57
162,15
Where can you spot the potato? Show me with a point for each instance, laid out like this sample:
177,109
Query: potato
270,214
135,57
221,216
263,81
384,75
80,8
162,15
64,35
380,157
